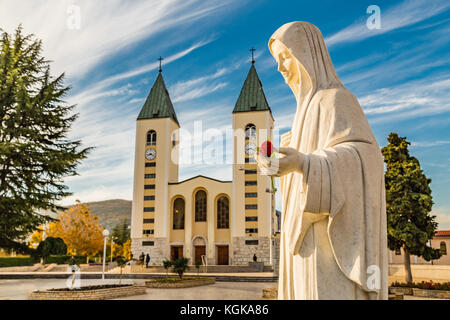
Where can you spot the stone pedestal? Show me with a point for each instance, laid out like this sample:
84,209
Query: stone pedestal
257,265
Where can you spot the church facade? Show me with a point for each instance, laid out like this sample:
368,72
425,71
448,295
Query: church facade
201,218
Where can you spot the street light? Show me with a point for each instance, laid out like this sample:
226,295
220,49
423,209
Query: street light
112,242
105,235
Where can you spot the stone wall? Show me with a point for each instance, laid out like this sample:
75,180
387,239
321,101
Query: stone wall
203,269
157,251
420,272
276,256
186,283
243,254
100,294
434,294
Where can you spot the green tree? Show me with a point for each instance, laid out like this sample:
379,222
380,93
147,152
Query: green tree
167,264
121,263
50,246
121,232
35,152
179,266
408,204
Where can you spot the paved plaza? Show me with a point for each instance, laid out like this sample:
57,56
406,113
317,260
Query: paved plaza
19,289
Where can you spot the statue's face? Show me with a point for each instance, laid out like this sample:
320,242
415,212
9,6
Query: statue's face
287,65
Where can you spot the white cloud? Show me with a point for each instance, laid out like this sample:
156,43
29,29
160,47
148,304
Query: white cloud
106,26
404,14
412,99
442,217
99,193
427,144
106,112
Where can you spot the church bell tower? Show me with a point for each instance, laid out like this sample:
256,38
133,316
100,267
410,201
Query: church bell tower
155,166
253,199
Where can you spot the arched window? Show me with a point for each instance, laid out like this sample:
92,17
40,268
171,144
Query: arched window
250,132
178,214
200,206
151,138
223,213
443,248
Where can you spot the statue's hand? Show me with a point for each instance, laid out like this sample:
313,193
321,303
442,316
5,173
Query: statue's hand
277,167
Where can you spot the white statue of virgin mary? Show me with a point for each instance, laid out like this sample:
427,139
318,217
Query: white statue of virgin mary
333,234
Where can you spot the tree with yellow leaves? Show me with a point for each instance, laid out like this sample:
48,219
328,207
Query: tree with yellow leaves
36,238
123,250
79,229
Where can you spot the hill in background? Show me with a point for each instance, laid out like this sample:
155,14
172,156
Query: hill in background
111,212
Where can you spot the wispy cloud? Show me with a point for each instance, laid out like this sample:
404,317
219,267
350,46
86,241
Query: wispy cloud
197,87
428,144
412,99
97,90
106,26
404,14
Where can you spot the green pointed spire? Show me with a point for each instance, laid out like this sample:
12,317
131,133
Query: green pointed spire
158,103
252,97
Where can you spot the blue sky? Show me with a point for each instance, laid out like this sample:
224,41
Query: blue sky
400,73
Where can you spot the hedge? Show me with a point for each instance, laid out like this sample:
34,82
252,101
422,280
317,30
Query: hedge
428,285
15,262
65,259
29,261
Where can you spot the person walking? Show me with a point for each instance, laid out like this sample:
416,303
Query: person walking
147,260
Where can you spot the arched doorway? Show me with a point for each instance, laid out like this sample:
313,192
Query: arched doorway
199,244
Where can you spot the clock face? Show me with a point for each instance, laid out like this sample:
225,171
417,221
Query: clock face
150,154
250,148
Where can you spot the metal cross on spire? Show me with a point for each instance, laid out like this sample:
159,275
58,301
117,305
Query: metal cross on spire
160,61
253,58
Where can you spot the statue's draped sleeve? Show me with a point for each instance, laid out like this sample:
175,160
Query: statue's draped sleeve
342,179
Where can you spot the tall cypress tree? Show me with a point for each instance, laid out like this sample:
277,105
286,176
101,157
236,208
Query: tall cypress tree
35,152
408,204
121,232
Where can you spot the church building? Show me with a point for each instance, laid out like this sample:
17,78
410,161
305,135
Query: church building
201,218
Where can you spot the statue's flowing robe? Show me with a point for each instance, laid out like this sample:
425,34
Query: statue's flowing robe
333,233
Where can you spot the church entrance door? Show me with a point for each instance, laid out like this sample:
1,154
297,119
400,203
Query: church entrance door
199,251
222,255
176,252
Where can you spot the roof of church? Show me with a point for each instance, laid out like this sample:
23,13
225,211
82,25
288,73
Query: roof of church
201,176
252,97
158,103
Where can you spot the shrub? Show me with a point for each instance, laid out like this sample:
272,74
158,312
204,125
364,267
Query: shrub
179,266
167,264
65,259
50,246
428,285
15,262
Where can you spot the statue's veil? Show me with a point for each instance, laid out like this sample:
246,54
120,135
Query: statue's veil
315,69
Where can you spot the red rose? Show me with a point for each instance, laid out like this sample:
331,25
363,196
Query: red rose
267,148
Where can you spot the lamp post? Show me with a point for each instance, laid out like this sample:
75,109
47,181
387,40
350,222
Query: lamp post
112,242
105,235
